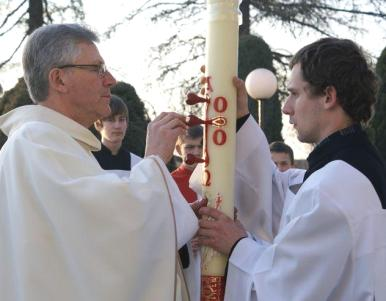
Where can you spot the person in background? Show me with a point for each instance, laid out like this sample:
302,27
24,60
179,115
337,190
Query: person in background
112,155
282,155
189,143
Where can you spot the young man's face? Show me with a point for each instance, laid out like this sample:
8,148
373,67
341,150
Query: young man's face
191,146
114,128
306,111
281,160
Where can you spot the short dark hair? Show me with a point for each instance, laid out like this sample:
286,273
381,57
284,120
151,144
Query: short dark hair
193,132
342,64
118,107
281,147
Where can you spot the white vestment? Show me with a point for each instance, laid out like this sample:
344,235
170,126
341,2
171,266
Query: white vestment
71,231
326,247
134,159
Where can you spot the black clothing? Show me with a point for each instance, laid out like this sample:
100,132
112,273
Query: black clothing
184,256
352,146
108,161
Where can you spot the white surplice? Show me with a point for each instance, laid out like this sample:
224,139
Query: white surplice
326,247
71,231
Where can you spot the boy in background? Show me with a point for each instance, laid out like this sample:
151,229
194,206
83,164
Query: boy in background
113,156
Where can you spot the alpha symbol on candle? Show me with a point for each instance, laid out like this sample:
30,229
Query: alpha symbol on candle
209,84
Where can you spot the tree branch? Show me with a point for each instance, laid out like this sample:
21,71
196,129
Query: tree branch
17,22
352,11
12,12
17,48
46,12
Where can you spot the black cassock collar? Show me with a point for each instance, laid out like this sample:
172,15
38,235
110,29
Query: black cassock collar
109,161
352,146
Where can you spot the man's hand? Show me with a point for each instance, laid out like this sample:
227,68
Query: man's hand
162,134
221,232
242,96
197,205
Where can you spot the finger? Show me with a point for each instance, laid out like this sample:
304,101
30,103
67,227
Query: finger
204,241
171,122
202,68
206,224
159,117
174,123
206,233
178,131
212,212
198,204
165,116
238,83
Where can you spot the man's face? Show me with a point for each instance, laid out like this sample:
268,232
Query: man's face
281,160
114,128
88,94
305,110
191,146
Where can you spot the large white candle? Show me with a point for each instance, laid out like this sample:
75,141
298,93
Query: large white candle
220,136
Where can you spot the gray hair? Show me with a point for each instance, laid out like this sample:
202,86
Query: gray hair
48,47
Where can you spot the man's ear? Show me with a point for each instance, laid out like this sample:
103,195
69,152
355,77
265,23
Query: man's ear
57,81
98,125
331,99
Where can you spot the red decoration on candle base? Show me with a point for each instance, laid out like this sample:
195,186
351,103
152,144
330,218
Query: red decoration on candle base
212,288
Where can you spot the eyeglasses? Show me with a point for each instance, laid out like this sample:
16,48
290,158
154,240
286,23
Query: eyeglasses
101,69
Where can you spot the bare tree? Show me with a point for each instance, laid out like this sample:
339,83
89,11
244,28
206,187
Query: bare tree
26,16
301,16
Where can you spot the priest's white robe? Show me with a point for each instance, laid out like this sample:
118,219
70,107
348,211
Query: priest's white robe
325,249
71,231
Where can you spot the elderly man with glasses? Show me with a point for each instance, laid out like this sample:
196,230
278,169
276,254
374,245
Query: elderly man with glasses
68,229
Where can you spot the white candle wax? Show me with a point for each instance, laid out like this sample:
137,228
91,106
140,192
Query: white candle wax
220,142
